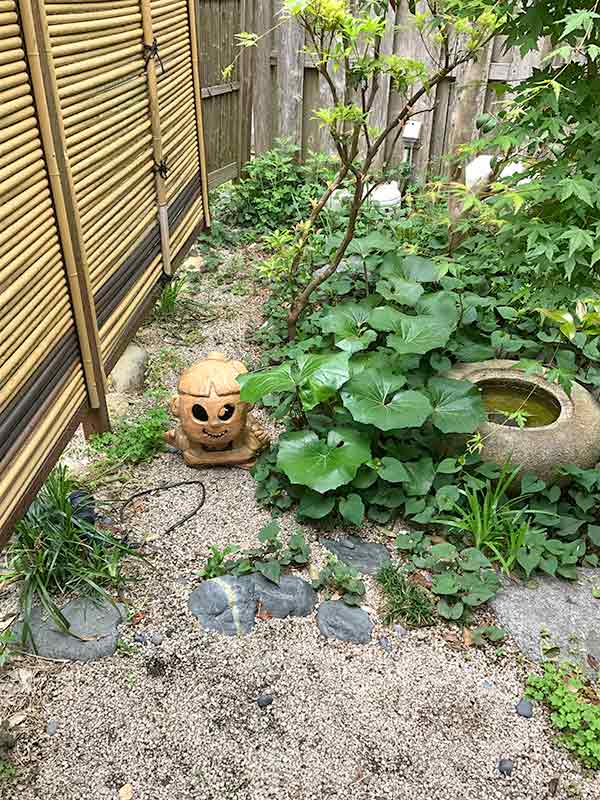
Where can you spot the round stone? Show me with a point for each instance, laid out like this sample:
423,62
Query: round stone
505,766
264,700
524,708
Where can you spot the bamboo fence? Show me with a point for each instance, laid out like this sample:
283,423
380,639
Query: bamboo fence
103,187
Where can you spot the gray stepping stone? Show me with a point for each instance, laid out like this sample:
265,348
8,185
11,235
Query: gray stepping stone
348,623
366,557
293,597
95,622
226,605
566,610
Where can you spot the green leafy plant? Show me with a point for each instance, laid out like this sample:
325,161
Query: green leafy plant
8,771
54,551
405,601
134,441
336,577
269,559
169,297
7,642
575,709
158,370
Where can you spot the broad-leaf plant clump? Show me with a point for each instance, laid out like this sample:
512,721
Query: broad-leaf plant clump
376,308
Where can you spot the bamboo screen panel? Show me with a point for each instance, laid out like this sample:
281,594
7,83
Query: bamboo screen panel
103,188
41,379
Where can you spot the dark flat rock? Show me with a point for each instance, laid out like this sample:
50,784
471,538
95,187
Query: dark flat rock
348,623
293,597
95,622
226,605
366,557
565,612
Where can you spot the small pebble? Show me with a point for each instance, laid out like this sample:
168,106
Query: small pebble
488,685
524,708
139,638
264,700
52,727
505,766
399,630
385,643
156,638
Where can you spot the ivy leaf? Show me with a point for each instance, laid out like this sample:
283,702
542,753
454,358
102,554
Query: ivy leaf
472,560
372,397
323,464
593,533
315,505
446,497
446,584
352,508
528,560
399,290
457,405
270,569
421,473
451,611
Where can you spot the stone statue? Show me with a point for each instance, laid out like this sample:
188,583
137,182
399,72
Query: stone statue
215,428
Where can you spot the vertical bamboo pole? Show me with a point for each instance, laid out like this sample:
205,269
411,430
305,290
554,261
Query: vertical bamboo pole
194,36
161,189
246,69
45,90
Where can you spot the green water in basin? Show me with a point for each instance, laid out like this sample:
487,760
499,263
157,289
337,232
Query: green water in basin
503,398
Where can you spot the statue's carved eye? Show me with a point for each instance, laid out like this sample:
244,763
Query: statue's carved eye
199,412
226,412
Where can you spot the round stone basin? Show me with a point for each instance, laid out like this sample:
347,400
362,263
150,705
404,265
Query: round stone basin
549,429
518,404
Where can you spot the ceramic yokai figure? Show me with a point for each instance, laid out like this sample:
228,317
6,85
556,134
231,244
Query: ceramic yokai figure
215,426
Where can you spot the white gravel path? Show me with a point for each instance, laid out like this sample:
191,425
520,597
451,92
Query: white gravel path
179,719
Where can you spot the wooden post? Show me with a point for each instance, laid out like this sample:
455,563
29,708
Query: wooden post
246,63
161,190
39,56
262,91
290,80
194,36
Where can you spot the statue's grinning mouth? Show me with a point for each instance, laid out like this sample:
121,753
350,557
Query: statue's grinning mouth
214,435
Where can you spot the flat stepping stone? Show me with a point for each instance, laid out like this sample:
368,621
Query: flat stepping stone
338,621
366,557
565,610
294,597
95,622
226,605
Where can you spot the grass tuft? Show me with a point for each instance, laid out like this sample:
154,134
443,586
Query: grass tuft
405,602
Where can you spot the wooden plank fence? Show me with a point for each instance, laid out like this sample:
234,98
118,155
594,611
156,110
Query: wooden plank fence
287,88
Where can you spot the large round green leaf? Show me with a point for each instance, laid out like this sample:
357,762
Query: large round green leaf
399,290
373,398
457,405
349,323
320,376
256,385
411,335
323,464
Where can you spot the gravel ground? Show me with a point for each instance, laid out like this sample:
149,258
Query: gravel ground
423,717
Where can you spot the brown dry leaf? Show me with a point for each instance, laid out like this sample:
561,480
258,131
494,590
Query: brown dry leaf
138,505
453,638
126,792
593,662
552,786
438,539
25,679
422,579
263,614
467,637
137,618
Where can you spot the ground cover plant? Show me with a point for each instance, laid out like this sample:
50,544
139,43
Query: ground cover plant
575,708
58,549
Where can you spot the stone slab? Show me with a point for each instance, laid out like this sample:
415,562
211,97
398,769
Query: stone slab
95,622
226,605
293,597
567,610
348,623
366,557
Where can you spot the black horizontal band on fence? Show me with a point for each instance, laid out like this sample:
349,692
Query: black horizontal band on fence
111,293
44,379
